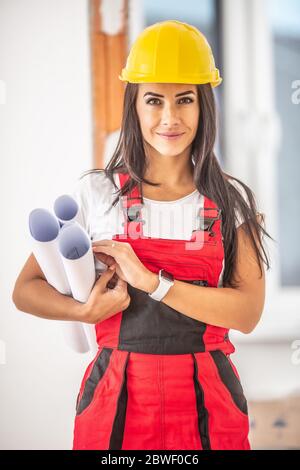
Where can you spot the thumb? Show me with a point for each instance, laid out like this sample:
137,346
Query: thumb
120,285
106,275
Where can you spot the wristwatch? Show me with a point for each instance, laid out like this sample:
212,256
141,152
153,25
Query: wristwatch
166,280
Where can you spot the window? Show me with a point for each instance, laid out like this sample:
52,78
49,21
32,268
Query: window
285,22
260,43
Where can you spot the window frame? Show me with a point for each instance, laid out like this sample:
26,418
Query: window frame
252,138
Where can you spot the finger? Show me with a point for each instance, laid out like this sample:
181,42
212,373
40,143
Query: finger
112,281
120,285
102,249
102,257
104,242
107,259
106,276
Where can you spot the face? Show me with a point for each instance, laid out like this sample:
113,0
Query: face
165,109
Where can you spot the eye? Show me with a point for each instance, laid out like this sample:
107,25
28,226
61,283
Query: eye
187,98
181,99
152,99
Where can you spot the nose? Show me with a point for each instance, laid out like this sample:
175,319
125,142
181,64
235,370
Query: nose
170,115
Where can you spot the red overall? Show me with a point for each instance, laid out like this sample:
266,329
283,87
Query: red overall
160,379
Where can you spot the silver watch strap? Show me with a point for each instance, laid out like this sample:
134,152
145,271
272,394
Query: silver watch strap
162,289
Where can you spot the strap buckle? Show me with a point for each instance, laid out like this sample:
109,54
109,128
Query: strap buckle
132,211
206,222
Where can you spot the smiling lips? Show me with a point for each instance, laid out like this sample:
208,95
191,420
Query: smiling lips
170,136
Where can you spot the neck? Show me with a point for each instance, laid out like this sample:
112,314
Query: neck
170,170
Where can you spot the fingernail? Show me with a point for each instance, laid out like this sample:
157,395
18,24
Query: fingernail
112,267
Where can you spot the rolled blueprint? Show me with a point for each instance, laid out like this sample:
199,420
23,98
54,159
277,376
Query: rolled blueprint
66,210
78,259
44,229
44,232
77,256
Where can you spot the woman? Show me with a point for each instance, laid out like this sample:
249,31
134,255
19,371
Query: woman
163,377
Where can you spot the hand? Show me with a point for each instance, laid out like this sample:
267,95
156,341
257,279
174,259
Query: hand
128,266
103,302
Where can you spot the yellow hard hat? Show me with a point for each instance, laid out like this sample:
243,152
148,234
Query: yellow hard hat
171,52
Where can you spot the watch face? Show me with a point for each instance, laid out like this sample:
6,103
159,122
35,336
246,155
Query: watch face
167,275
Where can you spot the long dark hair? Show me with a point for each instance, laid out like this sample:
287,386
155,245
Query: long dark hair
129,157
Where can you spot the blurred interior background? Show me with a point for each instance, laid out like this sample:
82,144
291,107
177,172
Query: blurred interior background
60,111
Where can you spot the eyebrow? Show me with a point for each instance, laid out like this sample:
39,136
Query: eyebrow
162,96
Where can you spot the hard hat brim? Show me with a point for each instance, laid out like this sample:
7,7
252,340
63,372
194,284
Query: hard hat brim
214,79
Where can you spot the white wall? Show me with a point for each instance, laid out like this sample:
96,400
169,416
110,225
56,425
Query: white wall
45,144
268,370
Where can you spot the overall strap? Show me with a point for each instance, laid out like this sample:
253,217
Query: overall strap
208,214
131,206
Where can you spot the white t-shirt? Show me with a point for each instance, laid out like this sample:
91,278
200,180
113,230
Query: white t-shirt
163,219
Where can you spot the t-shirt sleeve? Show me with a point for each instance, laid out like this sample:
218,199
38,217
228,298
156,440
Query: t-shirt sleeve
82,194
239,216
94,194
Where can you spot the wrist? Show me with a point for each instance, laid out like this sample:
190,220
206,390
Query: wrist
166,281
150,282
81,312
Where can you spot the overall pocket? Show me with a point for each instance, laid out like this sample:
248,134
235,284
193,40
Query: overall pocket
93,381
230,380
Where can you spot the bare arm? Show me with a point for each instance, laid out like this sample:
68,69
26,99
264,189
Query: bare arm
239,308
32,294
